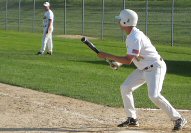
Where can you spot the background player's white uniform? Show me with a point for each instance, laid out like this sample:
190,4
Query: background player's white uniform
47,38
150,69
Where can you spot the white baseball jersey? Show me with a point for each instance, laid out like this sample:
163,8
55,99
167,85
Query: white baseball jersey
139,44
48,15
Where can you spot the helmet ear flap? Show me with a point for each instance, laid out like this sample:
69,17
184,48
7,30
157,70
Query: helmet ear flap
128,17
125,22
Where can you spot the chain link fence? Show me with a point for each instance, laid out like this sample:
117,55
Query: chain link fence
164,21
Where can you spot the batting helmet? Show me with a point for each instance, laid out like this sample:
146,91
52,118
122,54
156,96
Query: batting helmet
127,17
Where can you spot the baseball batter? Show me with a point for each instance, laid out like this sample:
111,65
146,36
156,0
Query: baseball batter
151,69
48,29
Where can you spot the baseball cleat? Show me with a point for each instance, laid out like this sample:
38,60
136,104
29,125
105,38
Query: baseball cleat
131,122
50,53
179,123
39,53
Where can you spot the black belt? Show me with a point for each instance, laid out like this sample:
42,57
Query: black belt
146,68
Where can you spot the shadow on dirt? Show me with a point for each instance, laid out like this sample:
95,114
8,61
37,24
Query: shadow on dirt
83,129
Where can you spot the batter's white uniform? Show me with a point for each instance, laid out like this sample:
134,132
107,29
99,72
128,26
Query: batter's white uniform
47,38
151,69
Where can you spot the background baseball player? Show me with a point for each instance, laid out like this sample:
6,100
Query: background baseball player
48,29
151,69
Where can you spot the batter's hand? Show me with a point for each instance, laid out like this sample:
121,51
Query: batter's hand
114,65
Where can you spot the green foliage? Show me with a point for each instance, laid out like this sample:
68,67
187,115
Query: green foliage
75,71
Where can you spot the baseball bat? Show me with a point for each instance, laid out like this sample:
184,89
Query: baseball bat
89,44
93,47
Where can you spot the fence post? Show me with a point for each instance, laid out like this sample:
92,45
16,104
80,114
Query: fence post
147,16
82,17
172,24
64,17
19,17
34,17
123,35
103,18
6,14
123,4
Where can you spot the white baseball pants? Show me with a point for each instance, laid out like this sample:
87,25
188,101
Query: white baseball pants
154,77
47,41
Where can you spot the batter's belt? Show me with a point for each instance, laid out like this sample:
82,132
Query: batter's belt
146,68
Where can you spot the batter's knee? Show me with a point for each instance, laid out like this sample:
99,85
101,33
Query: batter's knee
154,98
125,89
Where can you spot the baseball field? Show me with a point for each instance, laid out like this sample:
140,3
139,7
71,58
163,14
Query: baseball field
74,71
75,91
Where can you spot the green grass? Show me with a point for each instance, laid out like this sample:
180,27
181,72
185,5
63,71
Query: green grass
75,71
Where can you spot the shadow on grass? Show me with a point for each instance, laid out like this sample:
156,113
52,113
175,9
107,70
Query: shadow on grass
182,68
102,62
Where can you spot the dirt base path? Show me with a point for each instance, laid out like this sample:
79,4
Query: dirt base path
25,110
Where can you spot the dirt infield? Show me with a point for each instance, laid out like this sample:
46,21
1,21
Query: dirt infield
25,110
